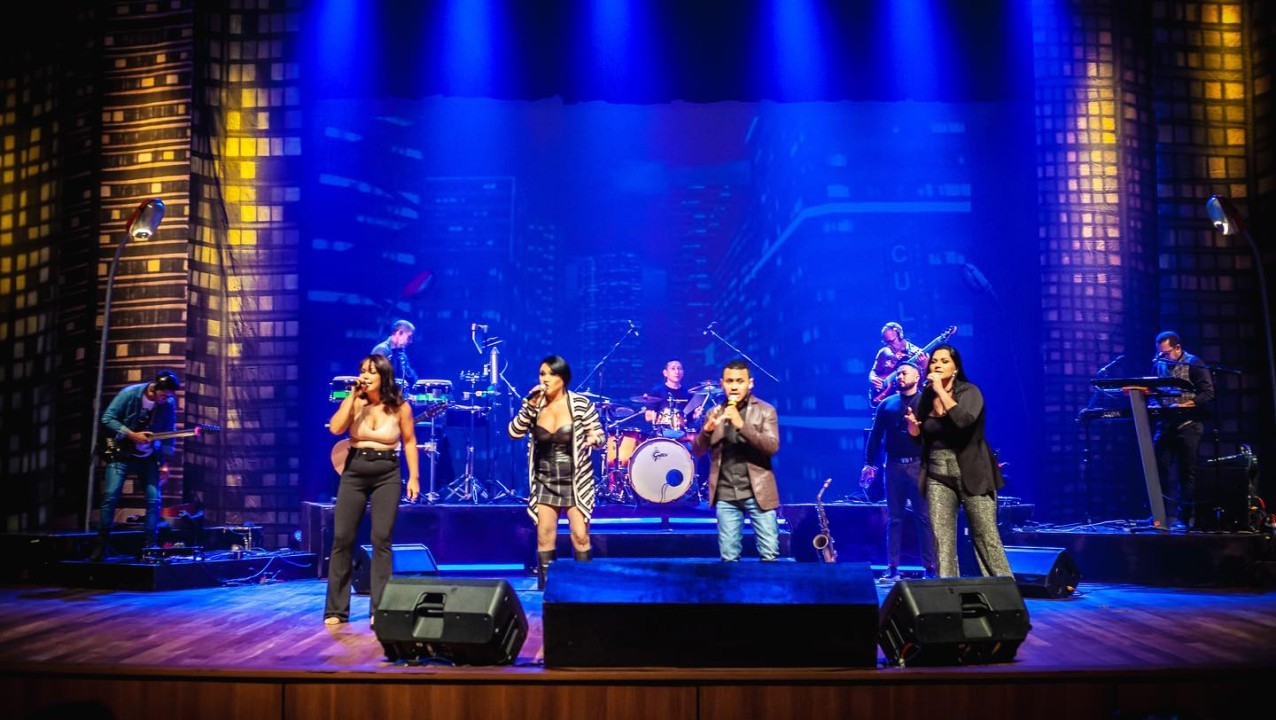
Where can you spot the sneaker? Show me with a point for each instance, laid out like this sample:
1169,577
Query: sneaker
891,577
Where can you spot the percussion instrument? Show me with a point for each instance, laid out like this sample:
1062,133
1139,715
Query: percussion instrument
431,391
661,470
621,446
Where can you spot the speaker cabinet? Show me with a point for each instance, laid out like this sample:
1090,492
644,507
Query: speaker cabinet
466,622
960,621
1222,499
1043,572
706,613
409,560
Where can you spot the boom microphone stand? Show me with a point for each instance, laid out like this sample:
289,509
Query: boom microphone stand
710,331
632,330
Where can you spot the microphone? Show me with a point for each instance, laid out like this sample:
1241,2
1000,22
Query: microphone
538,390
1158,356
632,328
476,326
733,400
1108,367
710,328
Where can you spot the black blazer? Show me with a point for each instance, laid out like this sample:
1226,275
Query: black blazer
964,433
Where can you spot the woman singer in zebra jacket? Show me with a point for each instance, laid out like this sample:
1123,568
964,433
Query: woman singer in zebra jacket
564,428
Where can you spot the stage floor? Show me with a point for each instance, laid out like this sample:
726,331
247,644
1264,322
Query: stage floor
262,651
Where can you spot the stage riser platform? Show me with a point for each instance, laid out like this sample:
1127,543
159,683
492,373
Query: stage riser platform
1169,559
181,573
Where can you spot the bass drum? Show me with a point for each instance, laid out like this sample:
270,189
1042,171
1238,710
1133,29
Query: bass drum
662,470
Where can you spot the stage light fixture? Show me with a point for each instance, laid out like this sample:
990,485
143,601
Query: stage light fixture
142,224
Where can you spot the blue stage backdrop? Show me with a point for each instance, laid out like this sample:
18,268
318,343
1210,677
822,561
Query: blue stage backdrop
788,233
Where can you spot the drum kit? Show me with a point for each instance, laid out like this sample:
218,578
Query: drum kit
652,461
428,397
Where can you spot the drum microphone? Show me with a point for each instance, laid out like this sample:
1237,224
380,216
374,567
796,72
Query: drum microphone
632,328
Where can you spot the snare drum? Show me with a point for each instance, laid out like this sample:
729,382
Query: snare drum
430,392
662,470
339,387
620,447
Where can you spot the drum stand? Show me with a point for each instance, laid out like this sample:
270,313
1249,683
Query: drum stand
431,449
466,488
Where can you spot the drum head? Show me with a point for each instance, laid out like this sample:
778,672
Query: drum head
661,470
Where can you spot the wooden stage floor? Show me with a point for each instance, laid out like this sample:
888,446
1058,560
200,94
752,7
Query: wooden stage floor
262,651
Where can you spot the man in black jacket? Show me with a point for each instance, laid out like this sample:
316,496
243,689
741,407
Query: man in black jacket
1178,436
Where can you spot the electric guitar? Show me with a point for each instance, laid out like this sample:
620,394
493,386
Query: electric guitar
341,450
875,397
121,448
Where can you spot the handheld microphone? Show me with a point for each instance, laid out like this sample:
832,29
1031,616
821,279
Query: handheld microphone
538,390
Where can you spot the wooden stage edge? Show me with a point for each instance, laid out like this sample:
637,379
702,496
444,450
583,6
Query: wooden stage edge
641,694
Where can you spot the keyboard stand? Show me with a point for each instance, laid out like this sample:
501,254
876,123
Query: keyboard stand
1147,455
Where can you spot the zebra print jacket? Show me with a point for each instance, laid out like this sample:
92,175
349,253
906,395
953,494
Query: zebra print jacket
584,422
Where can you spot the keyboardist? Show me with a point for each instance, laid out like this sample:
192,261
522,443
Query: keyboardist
1176,439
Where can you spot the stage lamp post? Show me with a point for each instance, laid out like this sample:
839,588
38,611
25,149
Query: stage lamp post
1228,221
141,225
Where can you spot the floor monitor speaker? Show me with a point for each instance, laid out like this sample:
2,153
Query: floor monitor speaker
1043,572
462,622
409,560
952,621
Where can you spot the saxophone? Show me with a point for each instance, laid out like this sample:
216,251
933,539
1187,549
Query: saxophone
825,548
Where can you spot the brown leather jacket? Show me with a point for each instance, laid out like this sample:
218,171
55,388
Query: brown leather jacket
762,432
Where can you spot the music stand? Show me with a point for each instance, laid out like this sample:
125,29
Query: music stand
1139,389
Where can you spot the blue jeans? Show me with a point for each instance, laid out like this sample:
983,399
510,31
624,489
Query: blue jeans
147,470
766,528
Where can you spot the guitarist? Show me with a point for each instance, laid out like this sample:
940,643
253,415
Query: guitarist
135,413
896,349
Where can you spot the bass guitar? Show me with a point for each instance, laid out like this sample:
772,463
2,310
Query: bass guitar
341,450
875,397
121,448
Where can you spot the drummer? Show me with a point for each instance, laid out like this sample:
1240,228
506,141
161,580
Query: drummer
665,403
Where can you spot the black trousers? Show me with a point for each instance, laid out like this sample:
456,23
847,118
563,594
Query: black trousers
1178,445
369,479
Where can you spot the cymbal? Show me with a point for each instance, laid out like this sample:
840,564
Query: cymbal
706,386
646,399
595,396
620,411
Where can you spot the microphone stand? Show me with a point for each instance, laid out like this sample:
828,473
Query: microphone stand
710,331
631,330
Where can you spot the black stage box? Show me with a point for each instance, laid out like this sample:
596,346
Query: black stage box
1222,499
644,612
953,621
466,622
408,560
1043,572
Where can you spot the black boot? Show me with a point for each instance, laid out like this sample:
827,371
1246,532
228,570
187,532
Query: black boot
99,546
583,555
544,558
